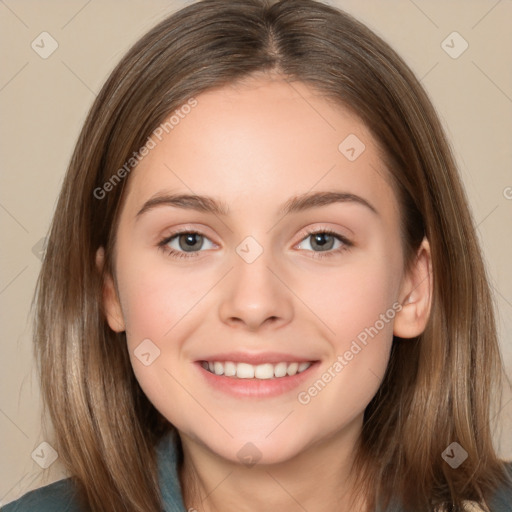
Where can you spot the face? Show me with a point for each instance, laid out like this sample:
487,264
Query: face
268,319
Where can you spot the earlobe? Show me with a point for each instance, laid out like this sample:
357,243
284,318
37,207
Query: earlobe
111,304
416,296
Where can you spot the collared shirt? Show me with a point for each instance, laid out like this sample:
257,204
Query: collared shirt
60,496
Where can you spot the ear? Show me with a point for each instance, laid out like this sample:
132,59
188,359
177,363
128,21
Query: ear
111,304
415,295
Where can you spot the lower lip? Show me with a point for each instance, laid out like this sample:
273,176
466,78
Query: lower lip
256,388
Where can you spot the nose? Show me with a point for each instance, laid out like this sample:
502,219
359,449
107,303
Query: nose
255,295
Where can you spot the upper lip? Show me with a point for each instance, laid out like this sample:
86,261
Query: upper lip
257,358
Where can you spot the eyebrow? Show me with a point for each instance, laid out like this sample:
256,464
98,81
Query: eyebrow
295,204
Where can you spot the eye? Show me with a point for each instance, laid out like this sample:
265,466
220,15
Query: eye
322,242
184,244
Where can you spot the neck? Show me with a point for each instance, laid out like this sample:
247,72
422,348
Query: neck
318,479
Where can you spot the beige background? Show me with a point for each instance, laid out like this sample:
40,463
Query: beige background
44,102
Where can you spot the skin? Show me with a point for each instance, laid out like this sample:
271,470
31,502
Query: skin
254,146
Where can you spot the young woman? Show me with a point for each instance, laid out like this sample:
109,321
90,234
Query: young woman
262,288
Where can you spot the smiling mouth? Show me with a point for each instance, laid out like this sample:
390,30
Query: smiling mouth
265,371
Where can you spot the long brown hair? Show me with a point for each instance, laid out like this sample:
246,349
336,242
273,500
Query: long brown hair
437,388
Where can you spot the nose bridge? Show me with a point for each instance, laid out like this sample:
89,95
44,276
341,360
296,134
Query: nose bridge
253,293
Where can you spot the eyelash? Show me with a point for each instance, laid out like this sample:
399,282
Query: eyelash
346,244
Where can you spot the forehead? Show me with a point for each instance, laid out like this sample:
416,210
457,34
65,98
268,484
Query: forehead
262,141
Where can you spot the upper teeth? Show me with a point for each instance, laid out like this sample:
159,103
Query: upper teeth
249,371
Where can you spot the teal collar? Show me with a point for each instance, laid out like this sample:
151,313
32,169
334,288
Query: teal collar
167,456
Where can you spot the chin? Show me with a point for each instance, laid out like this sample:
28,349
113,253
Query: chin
249,450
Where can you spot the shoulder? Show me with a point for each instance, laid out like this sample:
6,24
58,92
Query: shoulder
502,498
59,496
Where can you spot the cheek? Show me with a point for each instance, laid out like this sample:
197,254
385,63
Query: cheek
353,297
155,304
358,305
162,306
155,298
